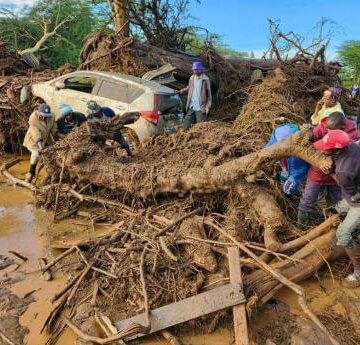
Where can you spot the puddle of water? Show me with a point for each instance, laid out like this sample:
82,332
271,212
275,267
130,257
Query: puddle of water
23,229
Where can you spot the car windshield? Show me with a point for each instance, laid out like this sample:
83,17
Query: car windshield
168,102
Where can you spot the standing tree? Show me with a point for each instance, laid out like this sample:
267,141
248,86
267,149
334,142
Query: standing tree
349,54
45,29
162,22
120,13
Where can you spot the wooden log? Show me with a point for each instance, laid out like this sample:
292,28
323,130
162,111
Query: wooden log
14,180
239,311
282,279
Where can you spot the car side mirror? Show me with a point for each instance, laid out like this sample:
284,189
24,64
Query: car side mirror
59,85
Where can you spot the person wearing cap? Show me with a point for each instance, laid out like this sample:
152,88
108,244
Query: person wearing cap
98,113
68,120
327,105
41,132
346,156
293,169
199,96
317,182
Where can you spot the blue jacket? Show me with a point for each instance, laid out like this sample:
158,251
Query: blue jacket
295,167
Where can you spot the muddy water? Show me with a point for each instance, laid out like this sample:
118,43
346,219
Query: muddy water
24,229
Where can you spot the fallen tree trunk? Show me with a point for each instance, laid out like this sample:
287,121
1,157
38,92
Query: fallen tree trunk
107,172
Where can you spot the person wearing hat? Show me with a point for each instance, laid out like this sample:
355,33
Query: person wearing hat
199,96
294,169
327,105
98,113
317,182
68,120
41,132
346,156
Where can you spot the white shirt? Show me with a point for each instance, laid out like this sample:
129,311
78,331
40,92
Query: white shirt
196,94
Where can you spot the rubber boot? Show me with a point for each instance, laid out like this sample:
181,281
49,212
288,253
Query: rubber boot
353,279
30,175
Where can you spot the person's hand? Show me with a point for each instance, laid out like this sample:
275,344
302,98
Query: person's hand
40,146
356,198
320,103
326,166
290,186
306,126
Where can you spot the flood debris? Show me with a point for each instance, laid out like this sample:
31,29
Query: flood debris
180,202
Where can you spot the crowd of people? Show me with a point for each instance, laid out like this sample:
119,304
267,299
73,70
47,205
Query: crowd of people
332,133
337,136
44,130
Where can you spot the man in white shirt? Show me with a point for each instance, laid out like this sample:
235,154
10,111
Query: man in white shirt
199,96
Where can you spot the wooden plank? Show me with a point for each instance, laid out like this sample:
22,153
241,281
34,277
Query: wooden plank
239,311
188,309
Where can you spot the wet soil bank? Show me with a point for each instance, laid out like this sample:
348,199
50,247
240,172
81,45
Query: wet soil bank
24,296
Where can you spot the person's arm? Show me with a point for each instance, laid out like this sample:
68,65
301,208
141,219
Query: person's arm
317,133
314,116
297,168
81,118
347,183
209,99
34,130
186,89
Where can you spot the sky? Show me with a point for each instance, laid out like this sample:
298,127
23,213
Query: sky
243,23
15,4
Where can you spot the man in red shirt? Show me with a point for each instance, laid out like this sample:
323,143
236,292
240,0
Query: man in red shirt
346,156
318,182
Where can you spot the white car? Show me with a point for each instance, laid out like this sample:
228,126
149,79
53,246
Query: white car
159,107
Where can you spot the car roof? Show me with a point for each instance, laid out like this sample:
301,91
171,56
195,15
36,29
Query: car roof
154,86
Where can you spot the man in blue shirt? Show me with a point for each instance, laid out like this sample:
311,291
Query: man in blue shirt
98,113
294,169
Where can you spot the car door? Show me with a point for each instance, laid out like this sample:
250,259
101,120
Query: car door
113,94
78,91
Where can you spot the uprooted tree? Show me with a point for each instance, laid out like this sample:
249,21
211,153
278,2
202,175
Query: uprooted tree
179,200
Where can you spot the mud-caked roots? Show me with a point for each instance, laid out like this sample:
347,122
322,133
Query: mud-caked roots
175,192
